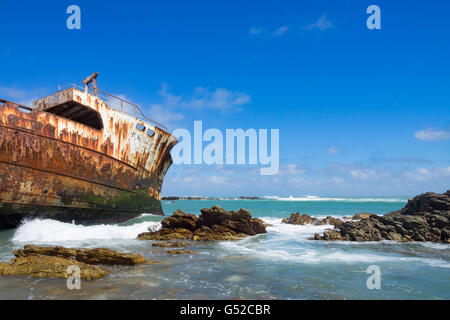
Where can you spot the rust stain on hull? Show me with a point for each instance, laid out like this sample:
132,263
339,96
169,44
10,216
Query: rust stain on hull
72,157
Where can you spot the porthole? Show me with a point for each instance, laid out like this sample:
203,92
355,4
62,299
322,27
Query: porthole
140,127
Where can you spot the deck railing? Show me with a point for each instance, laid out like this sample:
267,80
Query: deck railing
117,103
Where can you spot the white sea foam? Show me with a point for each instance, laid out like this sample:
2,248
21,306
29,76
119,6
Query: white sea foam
340,199
284,231
46,230
314,256
289,243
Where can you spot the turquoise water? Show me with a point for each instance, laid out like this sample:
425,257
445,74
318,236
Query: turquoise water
281,264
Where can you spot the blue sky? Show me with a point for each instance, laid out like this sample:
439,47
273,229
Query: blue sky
360,112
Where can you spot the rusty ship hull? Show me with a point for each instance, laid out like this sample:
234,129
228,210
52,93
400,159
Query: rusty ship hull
73,158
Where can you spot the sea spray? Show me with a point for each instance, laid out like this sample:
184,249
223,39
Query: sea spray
46,230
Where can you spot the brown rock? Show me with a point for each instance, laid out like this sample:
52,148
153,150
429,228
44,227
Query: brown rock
298,219
331,235
426,217
316,237
88,256
166,234
213,224
48,267
180,219
329,221
363,215
182,252
170,244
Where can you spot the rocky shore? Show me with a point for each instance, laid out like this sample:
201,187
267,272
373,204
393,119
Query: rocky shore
52,262
213,224
425,217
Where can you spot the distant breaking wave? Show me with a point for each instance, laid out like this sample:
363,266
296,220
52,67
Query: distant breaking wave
341,199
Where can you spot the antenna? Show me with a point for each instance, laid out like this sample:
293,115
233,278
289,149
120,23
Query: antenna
91,79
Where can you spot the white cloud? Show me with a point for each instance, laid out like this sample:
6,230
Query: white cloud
280,31
163,115
363,174
168,112
432,134
256,30
21,96
322,24
217,179
291,169
219,99
260,31
423,174
332,150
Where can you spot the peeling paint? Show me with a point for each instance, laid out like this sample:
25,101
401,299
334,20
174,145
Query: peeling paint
54,166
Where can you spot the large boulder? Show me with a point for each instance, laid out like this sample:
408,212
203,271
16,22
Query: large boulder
213,224
180,219
425,217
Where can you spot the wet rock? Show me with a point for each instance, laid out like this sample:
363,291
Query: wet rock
298,219
90,256
52,262
329,221
42,266
170,244
362,215
213,224
331,235
425,217
182,252
166,234
180,219
305,219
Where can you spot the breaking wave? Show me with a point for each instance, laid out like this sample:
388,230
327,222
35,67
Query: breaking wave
290,243
47,230
341,199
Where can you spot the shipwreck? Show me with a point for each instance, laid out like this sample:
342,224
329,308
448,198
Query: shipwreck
80,155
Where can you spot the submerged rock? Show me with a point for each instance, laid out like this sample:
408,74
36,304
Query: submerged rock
425,217
49,262
213,224
182,252
170,244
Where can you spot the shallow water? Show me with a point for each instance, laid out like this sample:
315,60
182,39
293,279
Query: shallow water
282,264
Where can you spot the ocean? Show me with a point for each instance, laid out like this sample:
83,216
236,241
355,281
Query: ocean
282,264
